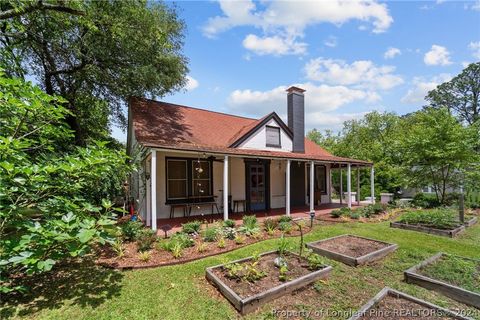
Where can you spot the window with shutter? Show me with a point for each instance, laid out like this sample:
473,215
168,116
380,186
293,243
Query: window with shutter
273,137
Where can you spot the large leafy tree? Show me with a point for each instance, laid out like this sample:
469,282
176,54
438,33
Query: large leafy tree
461,95
51,194
95,54
436,149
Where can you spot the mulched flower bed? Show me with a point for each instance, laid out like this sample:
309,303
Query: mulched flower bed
160,257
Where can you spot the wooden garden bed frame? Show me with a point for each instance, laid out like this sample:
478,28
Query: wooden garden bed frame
394,293
439,232
248,304
471,222
452,291
352,261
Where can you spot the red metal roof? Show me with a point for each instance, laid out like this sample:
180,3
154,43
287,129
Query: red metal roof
171,126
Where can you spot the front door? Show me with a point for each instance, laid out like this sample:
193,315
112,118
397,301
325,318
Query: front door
257,185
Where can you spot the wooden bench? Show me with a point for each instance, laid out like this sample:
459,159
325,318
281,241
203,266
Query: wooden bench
236,203
202,204
184,206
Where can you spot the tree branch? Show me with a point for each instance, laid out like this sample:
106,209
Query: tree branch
39,5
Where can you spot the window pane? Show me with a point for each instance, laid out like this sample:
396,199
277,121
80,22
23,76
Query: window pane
273,136
177,189
201,170
177,169
201,188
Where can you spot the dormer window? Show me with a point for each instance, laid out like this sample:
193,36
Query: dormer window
273,137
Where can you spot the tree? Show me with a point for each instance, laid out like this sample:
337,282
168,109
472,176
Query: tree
52,196
461,95
95,54
436,149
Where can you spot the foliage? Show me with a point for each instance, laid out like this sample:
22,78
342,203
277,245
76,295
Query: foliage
131,229
282,246
145,256
145,239
251,273
368,211
270,224
229,223
95,55
455,270
315,261
192,227
210,234
426,201
177,250
343,211
202,247
51,204
437,150
250,222
177,243
282,273
461,95
229,233
221,242
435,218
285,226
284,219
117,247
355,215
239,239
233,270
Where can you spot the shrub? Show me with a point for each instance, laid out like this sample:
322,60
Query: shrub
202,247
285,226
249,231
181,239
344,211
221,242
435,218
130,230
229,233
145,256
282,245
192,227
177,250
378,208
117,247
250,222
270,224
210,234
315,261
354,215
282,276
252,273
284,219
145,239
426,201
229,223
234,270
336,213
239,239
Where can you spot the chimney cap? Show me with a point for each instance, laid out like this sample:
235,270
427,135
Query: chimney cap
295,89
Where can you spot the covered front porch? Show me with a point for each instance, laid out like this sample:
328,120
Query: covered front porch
180,186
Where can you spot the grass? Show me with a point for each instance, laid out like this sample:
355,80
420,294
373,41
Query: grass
434,218
181,292
458,271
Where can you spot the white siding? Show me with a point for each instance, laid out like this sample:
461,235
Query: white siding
259,139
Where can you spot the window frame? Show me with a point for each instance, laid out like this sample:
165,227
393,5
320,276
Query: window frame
279,145
190,198
167,179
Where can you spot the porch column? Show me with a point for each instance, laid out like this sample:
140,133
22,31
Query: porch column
225,188
372,184
349,185
153,188
358,185
330,188
341,183
312,180
287,189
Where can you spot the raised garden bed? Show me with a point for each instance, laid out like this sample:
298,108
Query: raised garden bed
393,304
352,250
247,296
470,221
439,232
449,275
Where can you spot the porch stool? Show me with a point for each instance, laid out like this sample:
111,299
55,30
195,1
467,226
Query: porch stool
236,203
184,206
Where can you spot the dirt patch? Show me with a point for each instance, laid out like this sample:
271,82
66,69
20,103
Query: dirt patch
160,257
399,308
351,246
297,267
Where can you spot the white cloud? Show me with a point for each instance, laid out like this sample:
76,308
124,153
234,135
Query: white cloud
275,45
332,121
421,87
437,56
321,98
392,53
475,47
331,42
288,19
191,83
362,73
475,6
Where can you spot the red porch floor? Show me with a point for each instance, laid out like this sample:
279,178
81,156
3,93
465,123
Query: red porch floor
297,212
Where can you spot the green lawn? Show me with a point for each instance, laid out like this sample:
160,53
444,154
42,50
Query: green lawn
181,292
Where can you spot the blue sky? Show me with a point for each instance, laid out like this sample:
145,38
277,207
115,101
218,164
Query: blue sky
351,57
